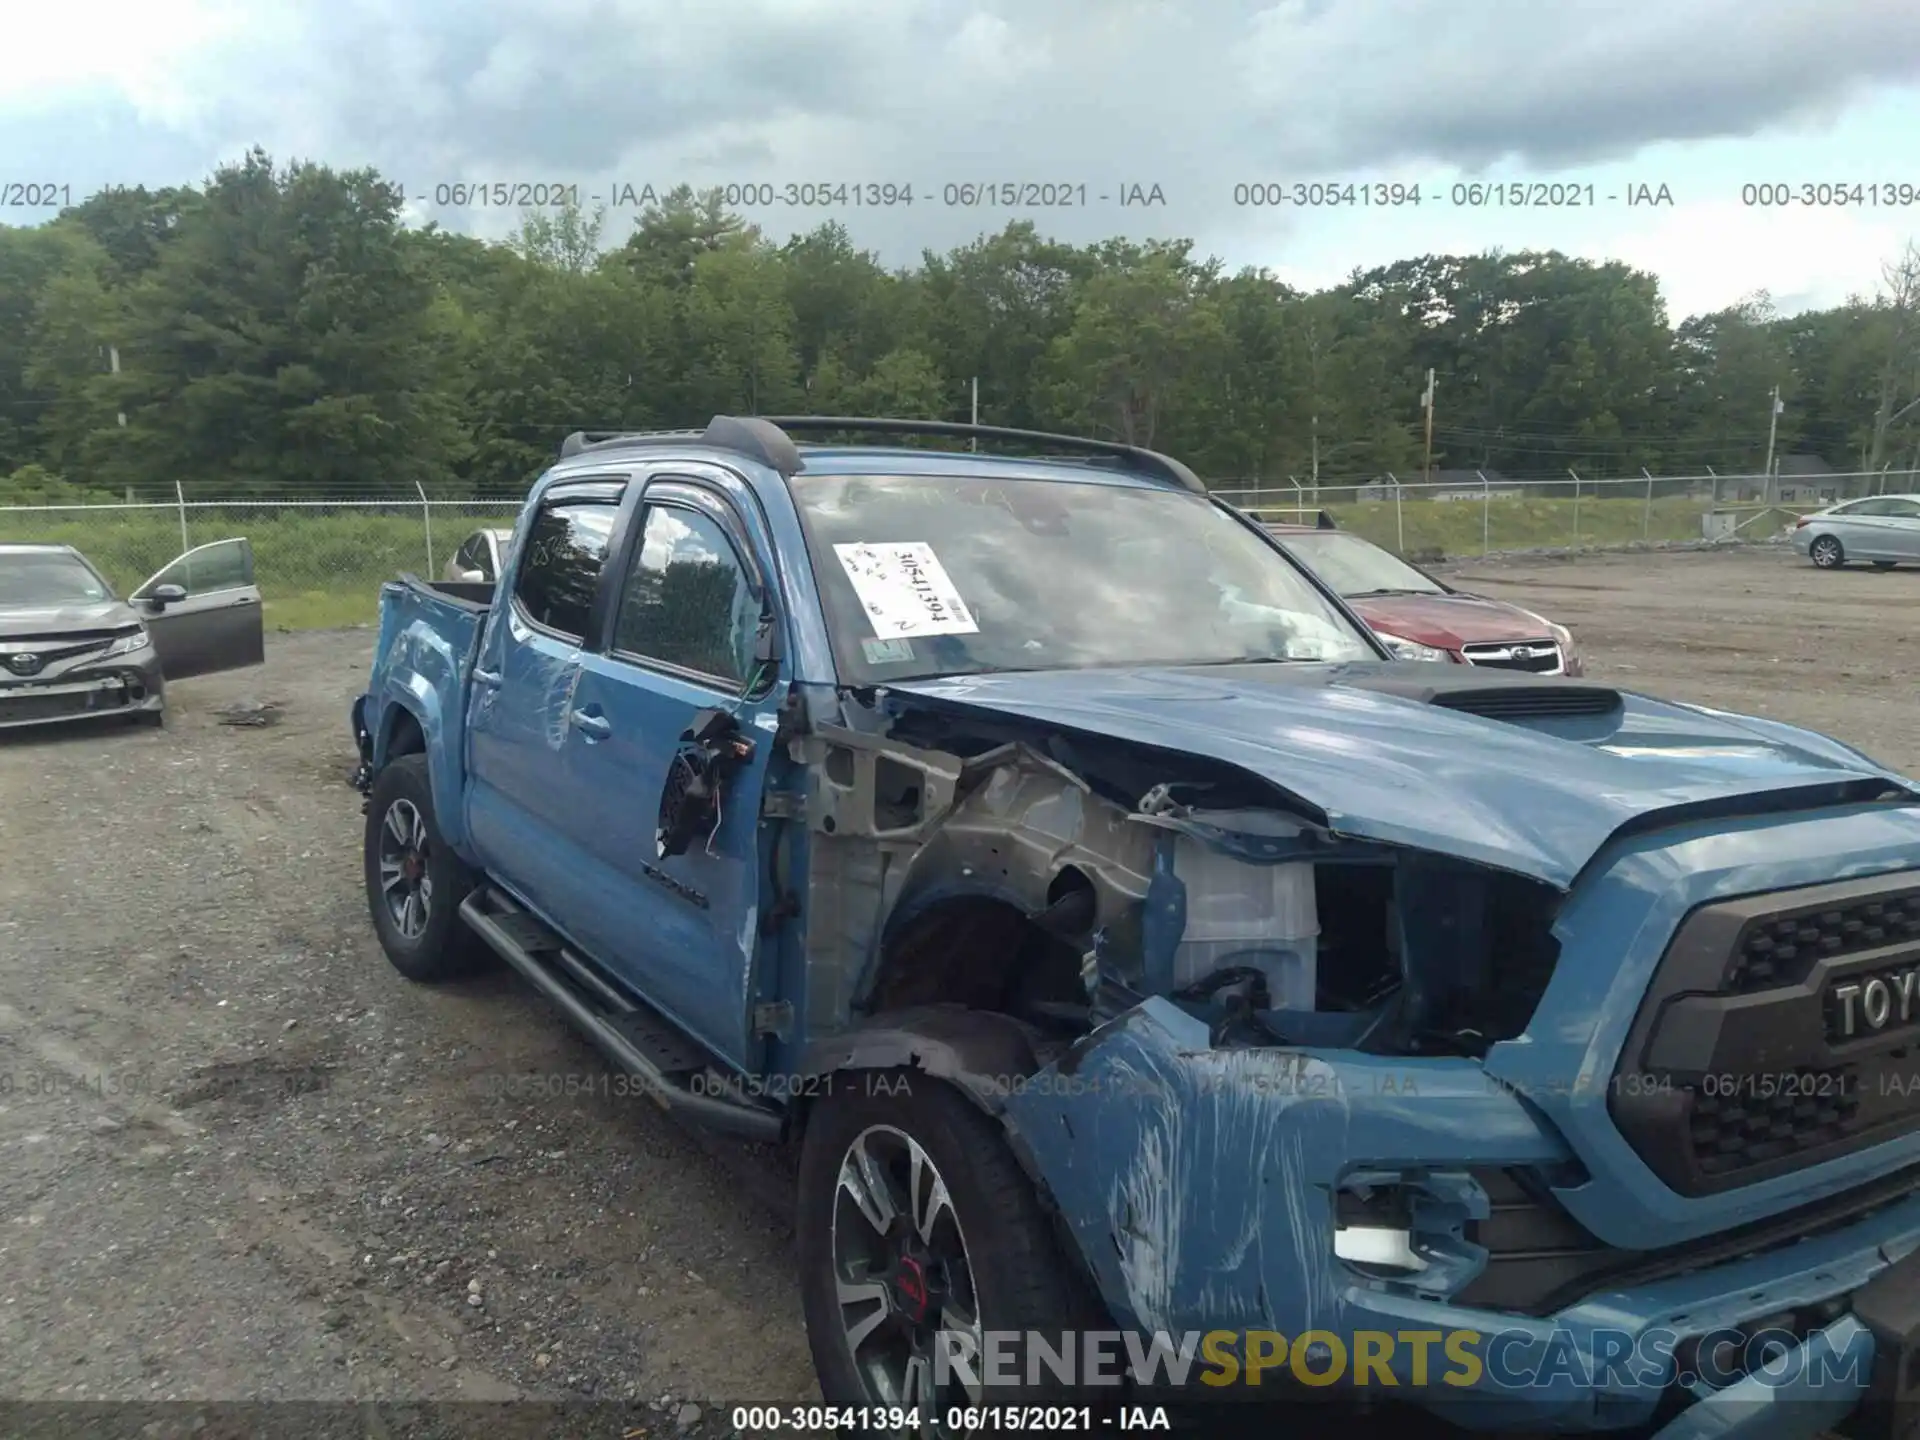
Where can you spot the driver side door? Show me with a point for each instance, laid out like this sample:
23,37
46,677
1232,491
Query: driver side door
217,622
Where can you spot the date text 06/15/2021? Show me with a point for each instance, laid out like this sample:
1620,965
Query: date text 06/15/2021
814,194
963,1419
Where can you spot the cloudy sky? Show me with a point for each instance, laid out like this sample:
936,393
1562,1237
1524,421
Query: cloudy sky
1703,97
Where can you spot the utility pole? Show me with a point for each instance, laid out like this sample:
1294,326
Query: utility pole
1426,402
1773,425
975,442
113,363
1313,361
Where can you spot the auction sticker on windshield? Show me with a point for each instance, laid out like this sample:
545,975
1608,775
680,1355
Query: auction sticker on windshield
905,590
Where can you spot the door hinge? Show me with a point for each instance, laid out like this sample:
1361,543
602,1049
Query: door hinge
783,805
775,1019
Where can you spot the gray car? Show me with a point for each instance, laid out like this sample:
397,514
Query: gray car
1883,529
70,649
477,561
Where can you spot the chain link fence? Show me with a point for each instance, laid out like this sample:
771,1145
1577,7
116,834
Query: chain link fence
320,563
1475,513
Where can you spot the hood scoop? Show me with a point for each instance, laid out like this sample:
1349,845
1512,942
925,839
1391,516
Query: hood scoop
1492,694
1533,702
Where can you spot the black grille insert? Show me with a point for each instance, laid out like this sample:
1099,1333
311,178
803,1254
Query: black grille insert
1736,1070
1779,950
1736,1126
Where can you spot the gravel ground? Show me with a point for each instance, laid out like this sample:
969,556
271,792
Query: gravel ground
241,1159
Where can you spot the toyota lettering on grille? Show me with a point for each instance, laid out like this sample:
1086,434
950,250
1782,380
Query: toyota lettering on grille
1871,1006
24,664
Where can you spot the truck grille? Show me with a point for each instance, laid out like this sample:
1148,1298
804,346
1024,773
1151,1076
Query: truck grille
27,704
1735,1126
1541,1260
1537,657
1780,1031
1780,949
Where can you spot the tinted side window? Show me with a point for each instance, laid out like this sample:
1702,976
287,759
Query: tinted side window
223,565
1903,509
686,600
565,551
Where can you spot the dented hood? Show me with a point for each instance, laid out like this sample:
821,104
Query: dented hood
1538,797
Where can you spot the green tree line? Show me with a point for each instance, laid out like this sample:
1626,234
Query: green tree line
281,331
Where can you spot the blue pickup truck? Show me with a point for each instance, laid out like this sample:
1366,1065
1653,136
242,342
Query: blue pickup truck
1136,953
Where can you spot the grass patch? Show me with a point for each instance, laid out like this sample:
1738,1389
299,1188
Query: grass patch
317,569
1465,527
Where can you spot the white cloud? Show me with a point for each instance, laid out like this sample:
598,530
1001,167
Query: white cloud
1712,254
145,52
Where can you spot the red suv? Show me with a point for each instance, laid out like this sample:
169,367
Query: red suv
1421,619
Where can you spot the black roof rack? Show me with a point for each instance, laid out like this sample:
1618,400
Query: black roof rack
1150,461
725,432
767,439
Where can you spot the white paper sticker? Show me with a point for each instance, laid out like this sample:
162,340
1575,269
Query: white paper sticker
905,590
887,652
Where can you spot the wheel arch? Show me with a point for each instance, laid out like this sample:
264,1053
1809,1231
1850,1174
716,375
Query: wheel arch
409,724
982,1055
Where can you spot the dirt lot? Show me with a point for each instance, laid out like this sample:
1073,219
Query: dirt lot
241,1159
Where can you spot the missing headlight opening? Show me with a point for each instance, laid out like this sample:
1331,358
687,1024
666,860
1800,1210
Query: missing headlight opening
1060,882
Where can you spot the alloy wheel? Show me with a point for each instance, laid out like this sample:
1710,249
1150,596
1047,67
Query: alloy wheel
406,887
905,1284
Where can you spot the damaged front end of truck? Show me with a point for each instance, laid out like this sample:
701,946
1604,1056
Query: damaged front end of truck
1319,999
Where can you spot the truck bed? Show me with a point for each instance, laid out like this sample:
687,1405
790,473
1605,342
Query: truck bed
423,665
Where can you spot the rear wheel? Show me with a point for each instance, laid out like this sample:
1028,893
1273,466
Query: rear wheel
918,1234
415,883
1826,553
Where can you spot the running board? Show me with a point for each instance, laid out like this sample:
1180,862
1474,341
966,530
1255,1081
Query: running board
634,1036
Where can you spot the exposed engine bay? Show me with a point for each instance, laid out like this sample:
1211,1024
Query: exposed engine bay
1061,879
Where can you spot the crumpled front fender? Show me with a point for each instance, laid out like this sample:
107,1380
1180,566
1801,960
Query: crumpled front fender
1197,1182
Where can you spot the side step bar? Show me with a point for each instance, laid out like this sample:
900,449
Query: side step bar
629,1033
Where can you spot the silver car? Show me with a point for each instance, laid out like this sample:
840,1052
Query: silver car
477,561
1884,529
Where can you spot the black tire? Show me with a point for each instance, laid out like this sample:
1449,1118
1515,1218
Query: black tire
1827,553
1021,1281
151,719
439,946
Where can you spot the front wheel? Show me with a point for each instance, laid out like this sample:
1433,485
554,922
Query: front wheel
918,1236
1826,553
415,883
